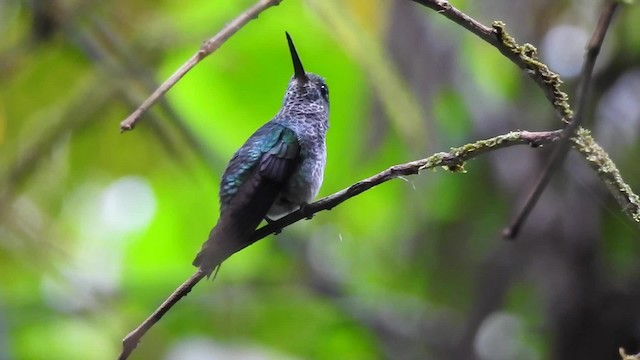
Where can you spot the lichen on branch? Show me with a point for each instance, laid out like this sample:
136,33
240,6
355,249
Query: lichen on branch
529,56
601,163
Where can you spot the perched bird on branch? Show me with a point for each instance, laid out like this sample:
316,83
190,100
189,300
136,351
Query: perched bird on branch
278,169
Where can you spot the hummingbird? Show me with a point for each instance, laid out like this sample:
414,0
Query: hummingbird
278,170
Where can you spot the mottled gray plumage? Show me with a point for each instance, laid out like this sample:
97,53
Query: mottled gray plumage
277,170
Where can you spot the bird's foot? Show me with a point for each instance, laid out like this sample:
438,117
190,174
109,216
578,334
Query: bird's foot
270,222
306,211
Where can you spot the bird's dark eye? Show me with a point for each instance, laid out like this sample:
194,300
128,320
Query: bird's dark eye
324,91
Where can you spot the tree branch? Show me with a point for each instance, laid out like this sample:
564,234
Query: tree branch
525,57
206,49
130,341
452,160
601,163
560,152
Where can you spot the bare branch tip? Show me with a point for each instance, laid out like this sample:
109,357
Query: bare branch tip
126,350
126,126
509,233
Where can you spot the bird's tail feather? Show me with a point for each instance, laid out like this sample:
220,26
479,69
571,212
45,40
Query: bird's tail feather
237,223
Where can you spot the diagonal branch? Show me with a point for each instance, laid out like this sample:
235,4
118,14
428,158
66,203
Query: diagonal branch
560,152
601,163
130,341
452,160
206,49
525,57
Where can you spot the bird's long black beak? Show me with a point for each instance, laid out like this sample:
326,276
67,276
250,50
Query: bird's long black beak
297,64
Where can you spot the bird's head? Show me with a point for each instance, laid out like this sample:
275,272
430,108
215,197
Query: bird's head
307,91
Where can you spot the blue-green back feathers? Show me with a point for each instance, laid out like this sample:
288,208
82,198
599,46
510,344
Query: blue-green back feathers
273,146
254,178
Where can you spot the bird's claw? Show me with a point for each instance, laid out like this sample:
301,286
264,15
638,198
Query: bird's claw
270,222
305,211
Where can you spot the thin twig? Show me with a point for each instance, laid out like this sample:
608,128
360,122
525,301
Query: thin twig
124,62
133,338
91,40
206,49
523,56
452,160
601,163
562,149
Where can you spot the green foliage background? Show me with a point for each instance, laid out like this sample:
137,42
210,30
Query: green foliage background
397,272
